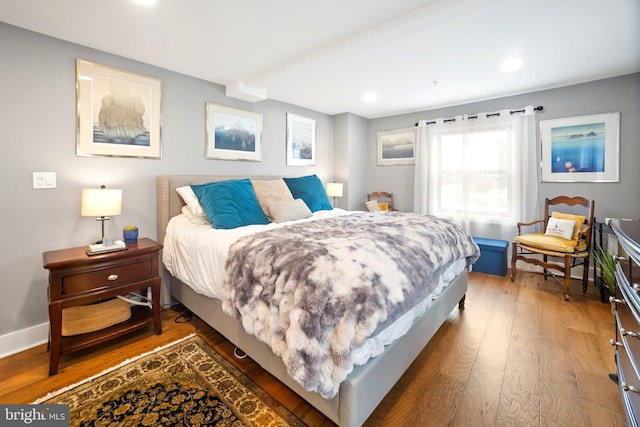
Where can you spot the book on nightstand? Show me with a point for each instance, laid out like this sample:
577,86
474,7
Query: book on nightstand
100,248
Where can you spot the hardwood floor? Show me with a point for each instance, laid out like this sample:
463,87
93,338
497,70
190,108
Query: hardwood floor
517,355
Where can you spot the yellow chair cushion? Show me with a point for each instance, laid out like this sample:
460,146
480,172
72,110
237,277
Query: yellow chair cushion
579,219
550,243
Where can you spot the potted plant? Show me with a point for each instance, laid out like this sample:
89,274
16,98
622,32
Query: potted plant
607,266
130,234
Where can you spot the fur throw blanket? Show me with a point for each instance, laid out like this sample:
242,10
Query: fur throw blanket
314,291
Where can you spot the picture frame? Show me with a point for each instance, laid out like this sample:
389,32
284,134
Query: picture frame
581,149
396,147
118,112
301,140
232,133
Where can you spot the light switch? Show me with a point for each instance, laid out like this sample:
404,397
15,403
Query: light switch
43,180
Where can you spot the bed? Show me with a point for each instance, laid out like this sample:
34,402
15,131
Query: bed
366,385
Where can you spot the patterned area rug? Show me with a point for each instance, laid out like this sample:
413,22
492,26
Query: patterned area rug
183,384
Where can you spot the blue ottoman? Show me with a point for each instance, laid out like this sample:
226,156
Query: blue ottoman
493,256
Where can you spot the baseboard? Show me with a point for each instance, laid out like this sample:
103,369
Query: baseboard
15,342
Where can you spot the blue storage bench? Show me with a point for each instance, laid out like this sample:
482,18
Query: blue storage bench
493,256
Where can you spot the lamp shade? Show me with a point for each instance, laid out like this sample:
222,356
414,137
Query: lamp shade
334,189
101,202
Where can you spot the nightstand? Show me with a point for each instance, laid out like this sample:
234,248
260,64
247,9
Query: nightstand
77,279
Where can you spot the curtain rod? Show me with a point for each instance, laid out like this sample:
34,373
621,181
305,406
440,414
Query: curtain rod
538,108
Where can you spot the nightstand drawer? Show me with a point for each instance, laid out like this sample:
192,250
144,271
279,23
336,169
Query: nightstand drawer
107,277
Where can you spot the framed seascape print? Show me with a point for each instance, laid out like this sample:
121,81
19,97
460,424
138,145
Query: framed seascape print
581,149
301,140
118,112
233,134
397,147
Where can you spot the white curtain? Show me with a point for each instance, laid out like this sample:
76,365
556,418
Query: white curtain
421,184
433,144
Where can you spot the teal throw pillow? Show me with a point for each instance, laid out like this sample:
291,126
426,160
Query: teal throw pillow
310,189
230,204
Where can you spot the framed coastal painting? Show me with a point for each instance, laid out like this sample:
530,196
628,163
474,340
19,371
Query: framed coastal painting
581,149
397,146
118,112
301,140
232,133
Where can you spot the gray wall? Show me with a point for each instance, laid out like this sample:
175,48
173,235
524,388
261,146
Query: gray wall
615,94
350,165
37,120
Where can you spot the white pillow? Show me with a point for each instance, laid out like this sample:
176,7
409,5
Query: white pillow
195,219
191,200
560,228
289,210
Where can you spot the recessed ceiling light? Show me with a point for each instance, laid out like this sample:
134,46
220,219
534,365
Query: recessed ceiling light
370,97
511,64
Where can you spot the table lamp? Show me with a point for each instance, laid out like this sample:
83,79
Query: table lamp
334,189
101,203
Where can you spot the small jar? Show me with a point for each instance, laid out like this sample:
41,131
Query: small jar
130,234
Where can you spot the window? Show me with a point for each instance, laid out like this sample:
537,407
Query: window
479,171
474,174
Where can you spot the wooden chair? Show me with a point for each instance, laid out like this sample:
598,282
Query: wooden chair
382,197
573,252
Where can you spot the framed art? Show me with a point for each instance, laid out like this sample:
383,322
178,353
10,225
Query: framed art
232,133
397,146
581,149
118,112
301,140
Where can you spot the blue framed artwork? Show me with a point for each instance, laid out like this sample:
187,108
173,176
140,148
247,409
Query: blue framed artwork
232,133
396,147
301,140
581,149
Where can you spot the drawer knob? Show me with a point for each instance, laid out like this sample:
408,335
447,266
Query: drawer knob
616,343
112,277
630,388
636,288
624,332
619,258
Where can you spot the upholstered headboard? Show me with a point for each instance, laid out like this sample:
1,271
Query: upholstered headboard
169,203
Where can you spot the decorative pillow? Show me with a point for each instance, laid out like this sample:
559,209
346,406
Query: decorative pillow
560,228
310,189
271,191
195,219
289,210
578,219
191,200
230,204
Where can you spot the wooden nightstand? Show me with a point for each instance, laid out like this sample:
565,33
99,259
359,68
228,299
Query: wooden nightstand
78,279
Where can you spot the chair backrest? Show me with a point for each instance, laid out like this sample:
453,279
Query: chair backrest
571,205
382,197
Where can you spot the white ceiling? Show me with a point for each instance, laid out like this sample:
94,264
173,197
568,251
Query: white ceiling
324,55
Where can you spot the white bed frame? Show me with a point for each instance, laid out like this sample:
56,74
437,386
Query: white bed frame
366,385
